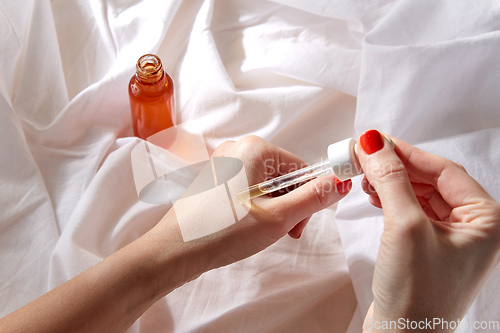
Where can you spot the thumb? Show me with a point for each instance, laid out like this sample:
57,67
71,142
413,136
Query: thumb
311,197
387,174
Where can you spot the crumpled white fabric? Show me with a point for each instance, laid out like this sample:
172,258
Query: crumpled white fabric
300,74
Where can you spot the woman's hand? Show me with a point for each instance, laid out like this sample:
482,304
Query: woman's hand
110,296
269,218
441,234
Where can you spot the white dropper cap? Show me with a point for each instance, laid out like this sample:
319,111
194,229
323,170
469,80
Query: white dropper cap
344,160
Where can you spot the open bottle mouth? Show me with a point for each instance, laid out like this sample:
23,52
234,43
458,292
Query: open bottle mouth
149,68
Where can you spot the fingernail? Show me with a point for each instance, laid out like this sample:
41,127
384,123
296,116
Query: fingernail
371,141
343,186
299,235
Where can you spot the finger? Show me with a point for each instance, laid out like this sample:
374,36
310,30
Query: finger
296,231
428,209
288,162
439,208
221,150
285,190
367,187
435,201
449,178
310,198
370,190
387,174
276,161
375,201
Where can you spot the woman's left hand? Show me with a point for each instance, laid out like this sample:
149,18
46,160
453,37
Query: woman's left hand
269,218
110,296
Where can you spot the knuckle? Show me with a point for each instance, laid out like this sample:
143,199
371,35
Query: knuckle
250,144
219,151
226,144
320,195
412,226
389,171
460,166
250,140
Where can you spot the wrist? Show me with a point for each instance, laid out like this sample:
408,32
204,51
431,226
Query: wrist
111,295
169,261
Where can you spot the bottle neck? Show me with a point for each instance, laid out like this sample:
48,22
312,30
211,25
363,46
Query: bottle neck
149,69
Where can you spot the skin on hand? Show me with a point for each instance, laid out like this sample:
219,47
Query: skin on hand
110,296
269,218
441,235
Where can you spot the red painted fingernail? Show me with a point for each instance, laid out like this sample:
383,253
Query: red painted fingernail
371,141
299,235
343,186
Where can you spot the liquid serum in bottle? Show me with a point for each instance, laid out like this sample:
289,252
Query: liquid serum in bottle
151,95
342,161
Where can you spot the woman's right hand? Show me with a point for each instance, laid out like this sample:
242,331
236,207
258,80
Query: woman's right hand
441,235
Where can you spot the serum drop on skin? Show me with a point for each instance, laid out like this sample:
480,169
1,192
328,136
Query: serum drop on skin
151,94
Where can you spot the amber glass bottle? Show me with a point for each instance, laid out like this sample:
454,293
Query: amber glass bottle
151,94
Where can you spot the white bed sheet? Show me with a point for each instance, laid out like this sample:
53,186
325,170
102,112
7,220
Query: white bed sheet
300,74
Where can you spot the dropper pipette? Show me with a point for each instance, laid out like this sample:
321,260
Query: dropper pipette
292,178
342,161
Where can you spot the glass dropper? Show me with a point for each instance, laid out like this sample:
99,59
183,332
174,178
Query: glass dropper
342,161
292,178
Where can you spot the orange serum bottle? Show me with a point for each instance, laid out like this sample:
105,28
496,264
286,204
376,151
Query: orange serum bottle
151,94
